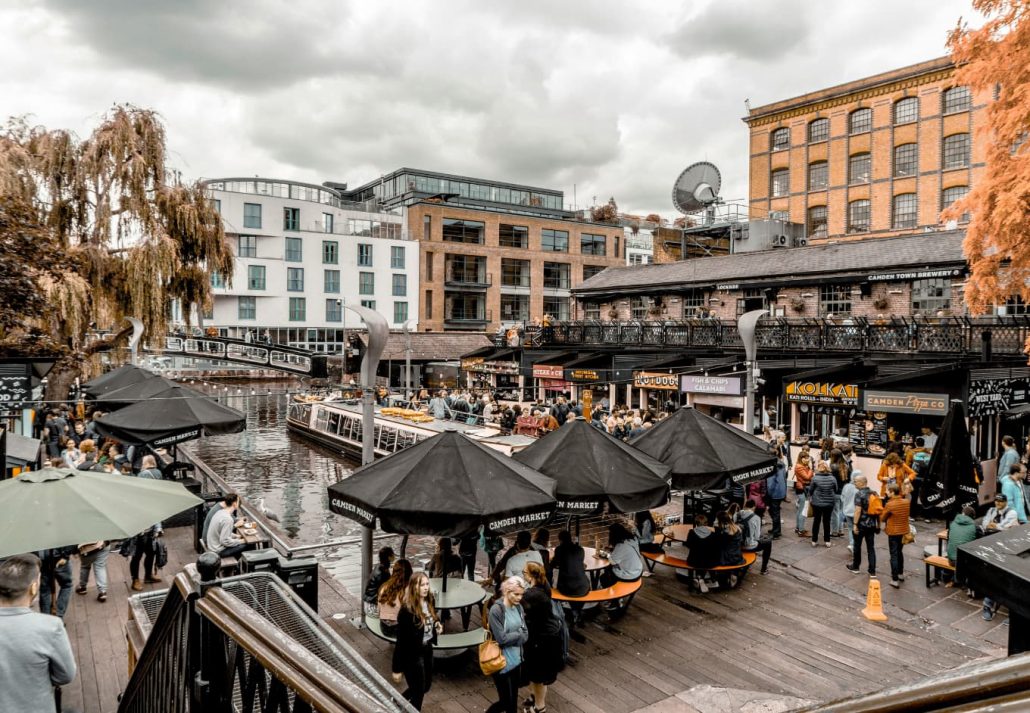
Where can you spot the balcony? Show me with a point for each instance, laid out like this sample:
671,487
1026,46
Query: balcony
476,318
468,279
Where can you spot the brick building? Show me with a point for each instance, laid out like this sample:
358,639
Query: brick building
875,157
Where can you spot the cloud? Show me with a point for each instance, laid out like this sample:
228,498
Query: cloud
759,31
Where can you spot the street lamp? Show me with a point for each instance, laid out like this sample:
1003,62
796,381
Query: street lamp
408,326
746,324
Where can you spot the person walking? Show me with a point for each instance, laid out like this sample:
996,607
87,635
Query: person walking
823,496
417,629
1009,455
895,518
508,627
864,525
894,470
841,470
93,556
847,507
545,649
776,493
802,478
55,574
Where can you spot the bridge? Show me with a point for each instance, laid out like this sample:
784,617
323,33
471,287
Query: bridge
257,354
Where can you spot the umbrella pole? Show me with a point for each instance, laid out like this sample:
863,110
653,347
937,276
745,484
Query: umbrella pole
443,588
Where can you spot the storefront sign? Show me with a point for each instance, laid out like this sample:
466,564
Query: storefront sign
543,371
651,380
915,275
818,392
15,385
490,367
554,384
471,363
584,375
728,286
695,384
905,402
988,397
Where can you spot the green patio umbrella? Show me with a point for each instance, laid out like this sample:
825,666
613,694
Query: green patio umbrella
56,507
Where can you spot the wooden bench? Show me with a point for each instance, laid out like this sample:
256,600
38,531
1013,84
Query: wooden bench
449,642
595,596
653,558
938,563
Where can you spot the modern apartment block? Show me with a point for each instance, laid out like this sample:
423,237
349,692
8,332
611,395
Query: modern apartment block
492,252
875,157
303,252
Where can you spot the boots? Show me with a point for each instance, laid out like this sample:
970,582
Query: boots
137,586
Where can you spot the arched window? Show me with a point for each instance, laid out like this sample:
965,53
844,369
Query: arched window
957,99
950,195
906,110
780,139
955,153
860,121
818,130
860,167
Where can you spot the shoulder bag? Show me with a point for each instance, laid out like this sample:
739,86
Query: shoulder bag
491,659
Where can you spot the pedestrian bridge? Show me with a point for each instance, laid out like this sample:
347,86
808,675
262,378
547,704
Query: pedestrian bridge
256,354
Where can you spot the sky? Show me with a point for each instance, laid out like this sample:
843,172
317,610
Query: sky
596,98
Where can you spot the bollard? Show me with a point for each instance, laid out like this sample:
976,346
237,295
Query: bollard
874,602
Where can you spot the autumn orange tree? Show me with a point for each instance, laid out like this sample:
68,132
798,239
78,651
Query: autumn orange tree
95,230
994,60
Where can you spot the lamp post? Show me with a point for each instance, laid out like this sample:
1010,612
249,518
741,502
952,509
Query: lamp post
378,333
746,324
408,326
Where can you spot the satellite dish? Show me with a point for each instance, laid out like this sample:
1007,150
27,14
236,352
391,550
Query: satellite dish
697,187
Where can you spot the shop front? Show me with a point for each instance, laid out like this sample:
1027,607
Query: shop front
660,391
720,396
550,381
498,372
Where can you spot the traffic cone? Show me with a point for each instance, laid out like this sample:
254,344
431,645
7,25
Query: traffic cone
874,602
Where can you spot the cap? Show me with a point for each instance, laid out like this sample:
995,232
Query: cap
1001,498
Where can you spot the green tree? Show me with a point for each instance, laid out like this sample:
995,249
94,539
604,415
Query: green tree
103,229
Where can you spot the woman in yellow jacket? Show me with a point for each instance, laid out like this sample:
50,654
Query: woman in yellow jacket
893,469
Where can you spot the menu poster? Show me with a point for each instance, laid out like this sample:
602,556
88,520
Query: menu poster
868,431
856,430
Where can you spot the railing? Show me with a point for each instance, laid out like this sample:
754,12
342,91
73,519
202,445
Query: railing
258,354
463,318
951,335
457,278
247,644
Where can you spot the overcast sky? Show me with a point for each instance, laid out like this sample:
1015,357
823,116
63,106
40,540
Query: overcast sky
614,97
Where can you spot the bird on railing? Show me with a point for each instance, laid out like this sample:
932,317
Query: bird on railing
266,512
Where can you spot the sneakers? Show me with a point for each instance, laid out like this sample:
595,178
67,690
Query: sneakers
702,587
81,589
814,543
895,583
102,597
829,544
901,578
851,548
137,586
988,612
853,570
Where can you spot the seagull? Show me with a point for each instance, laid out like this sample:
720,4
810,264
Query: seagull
266,512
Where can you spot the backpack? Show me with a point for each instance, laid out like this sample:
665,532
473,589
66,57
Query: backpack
920,461
875,506
558,622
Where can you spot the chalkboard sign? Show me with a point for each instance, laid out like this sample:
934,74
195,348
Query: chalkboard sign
15,384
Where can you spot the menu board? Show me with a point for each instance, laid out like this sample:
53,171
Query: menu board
868,431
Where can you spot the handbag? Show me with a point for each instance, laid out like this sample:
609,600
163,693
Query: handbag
491,659
909,537
809,512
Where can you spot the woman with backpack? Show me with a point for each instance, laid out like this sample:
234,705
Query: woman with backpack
547,644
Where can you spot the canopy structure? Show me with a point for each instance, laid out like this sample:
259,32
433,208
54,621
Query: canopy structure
132,393
171,416
58,507
591,468
117,378
703,452
952,479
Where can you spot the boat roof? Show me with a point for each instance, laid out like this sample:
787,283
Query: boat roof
436,425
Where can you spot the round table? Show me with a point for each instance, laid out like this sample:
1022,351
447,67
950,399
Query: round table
461,594
594,565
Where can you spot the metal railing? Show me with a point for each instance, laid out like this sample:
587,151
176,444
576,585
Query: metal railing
470,278
949,335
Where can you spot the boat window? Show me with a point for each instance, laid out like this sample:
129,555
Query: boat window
389,440
321,419
334,422
347,427
405,439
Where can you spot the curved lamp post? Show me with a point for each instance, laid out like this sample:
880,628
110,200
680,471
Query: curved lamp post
408,326
746,324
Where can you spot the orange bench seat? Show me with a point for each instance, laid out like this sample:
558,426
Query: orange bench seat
616,591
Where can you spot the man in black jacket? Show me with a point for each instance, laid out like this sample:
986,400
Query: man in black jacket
865,527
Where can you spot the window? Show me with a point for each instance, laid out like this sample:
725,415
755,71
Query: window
400,312
334,310
463,231
635,259
554,240
557,307
834,299
246,307
467,269
906,160
208,312
818,176
429,266
400,284
428,302
251,215
247,245
780,139
370,304
427,227
330,252
592,310
217,204
217,280
779,215
956,151
906,110
905,211
464,307
295,279
294,250
331,281
860,121
397,257
818,130
298,309
929,296
255,277
513,236
638,307
366,283
514,308
327,222
364,255
556,275
950,195
291,218
356,226
591,270
860,168
817,221
957,99
1016,306
859,216
694,304
514,273
615,240
780,183
592,244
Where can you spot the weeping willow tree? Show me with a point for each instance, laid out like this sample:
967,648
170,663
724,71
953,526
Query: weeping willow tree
96,230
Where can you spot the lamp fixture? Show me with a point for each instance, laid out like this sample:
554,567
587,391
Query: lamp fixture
807,295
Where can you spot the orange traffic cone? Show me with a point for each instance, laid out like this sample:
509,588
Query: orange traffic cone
874,602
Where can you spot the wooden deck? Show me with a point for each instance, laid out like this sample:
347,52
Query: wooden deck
794,631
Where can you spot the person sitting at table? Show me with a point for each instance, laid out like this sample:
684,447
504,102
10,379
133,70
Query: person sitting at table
221,538
626,563
515,558
731,541
572,579
961,530
391,595
417,629
644,522
376,579
703,550
444,561
751,526
544,650
542,544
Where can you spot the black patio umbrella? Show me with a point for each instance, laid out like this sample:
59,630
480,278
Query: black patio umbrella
116,379
592,468
445,486
704,452
131,393
171,416
952,478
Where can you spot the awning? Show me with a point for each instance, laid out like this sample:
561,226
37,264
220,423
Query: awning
557,359
595,359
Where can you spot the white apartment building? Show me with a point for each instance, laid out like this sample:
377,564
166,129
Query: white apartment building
302,253
639,245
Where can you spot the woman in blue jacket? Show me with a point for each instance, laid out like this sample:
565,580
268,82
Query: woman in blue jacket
508,626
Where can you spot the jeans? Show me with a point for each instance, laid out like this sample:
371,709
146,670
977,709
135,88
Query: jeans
915,509
802,503
848,523
143,549
418,674
868,536
233,550
468,565
838,516
507,685
97,560
823,514
62,578
774,514
897,558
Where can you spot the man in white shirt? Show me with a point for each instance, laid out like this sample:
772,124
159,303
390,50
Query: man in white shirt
929,438
221,536
523,553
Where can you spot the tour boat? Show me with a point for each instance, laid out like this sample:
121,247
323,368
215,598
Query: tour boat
338,425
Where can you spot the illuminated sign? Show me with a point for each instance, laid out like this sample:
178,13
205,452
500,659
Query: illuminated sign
651,380
697,384
818,392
